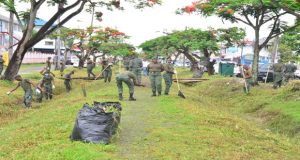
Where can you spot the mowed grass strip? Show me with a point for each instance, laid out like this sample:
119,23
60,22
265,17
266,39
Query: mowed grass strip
199,127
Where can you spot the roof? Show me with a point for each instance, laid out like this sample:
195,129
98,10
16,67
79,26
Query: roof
39,22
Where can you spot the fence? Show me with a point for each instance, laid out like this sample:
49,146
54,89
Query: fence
37,57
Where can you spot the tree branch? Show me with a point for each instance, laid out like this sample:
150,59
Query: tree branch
52,20
247,18
277,15
269,37
40,36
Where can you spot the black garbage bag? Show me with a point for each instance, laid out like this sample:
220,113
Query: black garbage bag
97,124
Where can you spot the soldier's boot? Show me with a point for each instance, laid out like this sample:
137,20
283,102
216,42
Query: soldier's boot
166,93
159,93
120,96
153,94
50,96
131,97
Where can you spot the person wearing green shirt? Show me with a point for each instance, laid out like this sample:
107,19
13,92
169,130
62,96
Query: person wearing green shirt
168,75
130,80
26,86
154,69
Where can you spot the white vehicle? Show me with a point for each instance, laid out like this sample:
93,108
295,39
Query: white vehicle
75,62
297,73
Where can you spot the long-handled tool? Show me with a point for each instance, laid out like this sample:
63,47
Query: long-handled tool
180,94
102,72
267,74
245,83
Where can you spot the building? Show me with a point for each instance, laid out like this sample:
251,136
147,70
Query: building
4,32
46,45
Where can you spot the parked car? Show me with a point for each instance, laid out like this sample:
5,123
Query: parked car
75,62
263,70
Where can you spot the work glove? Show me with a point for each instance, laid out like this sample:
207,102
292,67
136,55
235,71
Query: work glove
53,86
110,64
175,72
37,91
8,93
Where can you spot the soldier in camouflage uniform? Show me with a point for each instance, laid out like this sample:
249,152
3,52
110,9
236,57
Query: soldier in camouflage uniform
278,69
154,70
126,61
48,63
130,80
168,74
135,66
248,78
48,84
106,69
39,93
90,66
289,71
62,67
67,82
1,64
26,85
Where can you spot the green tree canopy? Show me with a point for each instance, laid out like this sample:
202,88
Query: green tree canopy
254,13
187,41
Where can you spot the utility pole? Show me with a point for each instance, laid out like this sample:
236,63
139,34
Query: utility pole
11,34
275,46
58,42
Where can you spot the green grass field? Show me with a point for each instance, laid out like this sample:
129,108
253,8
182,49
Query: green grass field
216,121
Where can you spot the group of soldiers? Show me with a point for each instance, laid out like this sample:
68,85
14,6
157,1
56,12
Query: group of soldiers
282,73
132,76
44,88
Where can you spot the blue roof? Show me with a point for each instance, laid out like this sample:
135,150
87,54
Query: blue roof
39,22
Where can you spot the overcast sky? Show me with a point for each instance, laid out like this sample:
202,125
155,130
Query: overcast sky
148,23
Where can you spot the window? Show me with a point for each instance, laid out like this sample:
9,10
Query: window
48,43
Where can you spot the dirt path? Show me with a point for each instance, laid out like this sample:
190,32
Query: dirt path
136,120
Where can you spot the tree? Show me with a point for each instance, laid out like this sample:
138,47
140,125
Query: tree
289,45
190,40
66,9
254,13
91,41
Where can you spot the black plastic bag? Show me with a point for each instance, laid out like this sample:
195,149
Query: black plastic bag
97,124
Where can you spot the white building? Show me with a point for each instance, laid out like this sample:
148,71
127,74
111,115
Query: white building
4,33
46,45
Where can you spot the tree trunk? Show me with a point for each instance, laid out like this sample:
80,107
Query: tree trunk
190,58
15,63
255,57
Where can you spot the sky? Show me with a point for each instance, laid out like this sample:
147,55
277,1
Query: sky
146,24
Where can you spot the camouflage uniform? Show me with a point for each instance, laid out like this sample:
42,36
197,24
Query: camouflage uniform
154,70
39,95
90,66
47,84
248,79
278,74
1,64
107,72
289,72
48,64
129,79
168,74
136,66
67,81
26,85
62,67
126,63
